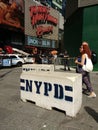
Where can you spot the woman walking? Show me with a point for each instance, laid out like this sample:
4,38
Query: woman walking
85,50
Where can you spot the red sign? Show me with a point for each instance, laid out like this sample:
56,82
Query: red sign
41,30
41,15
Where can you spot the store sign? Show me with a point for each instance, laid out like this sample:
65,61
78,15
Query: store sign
41,15
32,41
38,42
46,43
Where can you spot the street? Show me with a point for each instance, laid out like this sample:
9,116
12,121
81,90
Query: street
18,115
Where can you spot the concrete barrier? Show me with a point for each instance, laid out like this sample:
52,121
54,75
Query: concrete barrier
31,68
51,89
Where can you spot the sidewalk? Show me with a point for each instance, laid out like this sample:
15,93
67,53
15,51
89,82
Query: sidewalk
18,115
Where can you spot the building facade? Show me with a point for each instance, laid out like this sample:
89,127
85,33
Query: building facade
81,25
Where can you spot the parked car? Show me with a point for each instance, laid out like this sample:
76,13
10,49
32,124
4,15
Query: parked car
29,59
17,59
5,61
0,61
8,60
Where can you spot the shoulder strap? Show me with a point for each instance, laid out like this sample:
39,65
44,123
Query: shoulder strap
87,56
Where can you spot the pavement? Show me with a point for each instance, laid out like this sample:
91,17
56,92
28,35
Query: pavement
18,115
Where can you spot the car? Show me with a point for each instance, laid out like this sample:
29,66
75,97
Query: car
12,60
5,61
0,61
29,59
17,59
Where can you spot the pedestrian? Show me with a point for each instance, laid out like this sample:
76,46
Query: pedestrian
66,61
93,54
84,49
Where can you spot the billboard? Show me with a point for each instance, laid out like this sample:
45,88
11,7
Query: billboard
12,13
41,21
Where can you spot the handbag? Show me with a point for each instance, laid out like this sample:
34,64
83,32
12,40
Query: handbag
88,67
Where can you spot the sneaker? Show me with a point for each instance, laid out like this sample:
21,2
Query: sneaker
92,95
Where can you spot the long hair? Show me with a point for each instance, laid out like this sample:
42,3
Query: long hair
87,50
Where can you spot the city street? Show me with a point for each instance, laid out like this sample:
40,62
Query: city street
18,115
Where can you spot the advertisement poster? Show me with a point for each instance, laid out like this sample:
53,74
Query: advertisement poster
12,13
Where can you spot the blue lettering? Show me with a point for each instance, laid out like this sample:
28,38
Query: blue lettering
68,88
69,98
29,85
58,89
38,85
22,87
48,87
58,93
